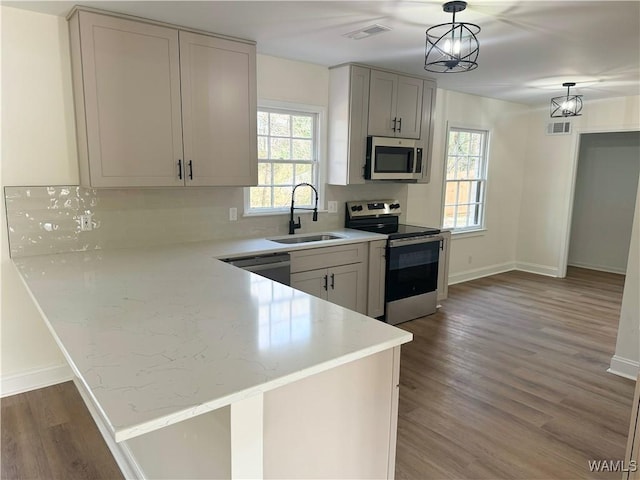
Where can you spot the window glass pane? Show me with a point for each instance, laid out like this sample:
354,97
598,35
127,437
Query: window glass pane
280,149
475,140
304,173
264,173
263,148
461,171
451,167
259,197
462,216
282,196
263,123
451,193
280,124
449,217
283,174
301,149
302,126
304,196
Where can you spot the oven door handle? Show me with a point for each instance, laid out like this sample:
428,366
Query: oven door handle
403,242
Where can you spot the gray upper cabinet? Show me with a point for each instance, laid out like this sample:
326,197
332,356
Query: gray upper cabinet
395,105
365,101
218,110
135,83
348,114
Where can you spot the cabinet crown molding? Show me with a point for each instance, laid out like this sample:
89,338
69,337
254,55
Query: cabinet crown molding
82,8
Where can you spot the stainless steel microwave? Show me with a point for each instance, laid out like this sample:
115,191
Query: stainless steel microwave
393,159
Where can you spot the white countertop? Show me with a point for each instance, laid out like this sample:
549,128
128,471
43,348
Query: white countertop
159,335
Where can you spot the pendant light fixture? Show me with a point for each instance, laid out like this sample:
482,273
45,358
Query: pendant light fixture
452,47
568,105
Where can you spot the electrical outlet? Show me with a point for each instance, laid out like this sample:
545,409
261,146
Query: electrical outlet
332,207
233,214
85,222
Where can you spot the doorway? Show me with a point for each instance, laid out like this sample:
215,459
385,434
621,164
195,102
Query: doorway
604,200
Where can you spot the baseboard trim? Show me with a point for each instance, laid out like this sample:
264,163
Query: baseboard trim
537,269
120,451
599,268
480,272
34,379
623,367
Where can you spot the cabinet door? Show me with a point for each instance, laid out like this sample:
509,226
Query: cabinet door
312,282
409,107
377,270
128,79
347,287
382,103
219,110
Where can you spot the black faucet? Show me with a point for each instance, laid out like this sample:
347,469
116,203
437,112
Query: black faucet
293,225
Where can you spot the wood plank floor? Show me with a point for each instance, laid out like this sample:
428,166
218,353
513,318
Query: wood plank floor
49,434
507,380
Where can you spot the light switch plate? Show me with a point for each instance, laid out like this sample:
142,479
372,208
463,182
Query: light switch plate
233,214
332,207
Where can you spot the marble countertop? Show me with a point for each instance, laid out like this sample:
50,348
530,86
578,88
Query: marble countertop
159,335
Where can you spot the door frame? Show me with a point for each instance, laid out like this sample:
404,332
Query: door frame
565,239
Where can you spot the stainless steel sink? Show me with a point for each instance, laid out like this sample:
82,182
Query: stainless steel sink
306,238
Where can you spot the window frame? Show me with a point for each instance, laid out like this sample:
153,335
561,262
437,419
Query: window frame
321,142
484,180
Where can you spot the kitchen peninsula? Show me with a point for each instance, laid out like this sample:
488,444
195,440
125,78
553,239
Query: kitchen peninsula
194,368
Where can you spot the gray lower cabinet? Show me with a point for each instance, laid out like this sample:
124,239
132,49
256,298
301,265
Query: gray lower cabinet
337,274
135,83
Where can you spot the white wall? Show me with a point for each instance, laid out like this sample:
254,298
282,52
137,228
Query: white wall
604,200
548,181
38,148
626,360
495,249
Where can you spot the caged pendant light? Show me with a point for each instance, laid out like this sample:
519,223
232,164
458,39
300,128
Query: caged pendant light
568,105
452,47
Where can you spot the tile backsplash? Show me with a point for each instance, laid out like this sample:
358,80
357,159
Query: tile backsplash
44,220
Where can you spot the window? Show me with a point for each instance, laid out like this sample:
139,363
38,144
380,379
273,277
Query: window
465,179
287,155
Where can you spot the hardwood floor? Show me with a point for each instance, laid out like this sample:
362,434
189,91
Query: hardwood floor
49,434
507,380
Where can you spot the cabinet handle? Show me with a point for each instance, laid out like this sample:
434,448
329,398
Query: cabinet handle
326,283
333,282
180,168
400,125
190,170
394,124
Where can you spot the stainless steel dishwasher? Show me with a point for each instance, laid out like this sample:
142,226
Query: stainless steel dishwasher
275,266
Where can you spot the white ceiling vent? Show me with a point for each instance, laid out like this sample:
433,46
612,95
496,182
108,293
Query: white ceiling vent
367,32
559,128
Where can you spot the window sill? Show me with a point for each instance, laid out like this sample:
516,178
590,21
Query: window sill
469,233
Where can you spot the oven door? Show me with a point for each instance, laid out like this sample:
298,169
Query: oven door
412,278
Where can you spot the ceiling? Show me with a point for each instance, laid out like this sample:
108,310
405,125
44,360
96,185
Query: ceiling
527,49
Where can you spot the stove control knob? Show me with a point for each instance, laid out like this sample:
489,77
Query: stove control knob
393,206
354,208
359,208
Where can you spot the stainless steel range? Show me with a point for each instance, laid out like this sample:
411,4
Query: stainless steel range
412,254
